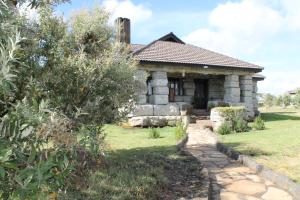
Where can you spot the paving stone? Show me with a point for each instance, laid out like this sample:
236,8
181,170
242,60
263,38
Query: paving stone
254,178
246,187
230,179
236,196
276,194
269,183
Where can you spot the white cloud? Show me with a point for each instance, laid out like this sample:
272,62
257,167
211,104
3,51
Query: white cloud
279,81
238,27
125,8
291,10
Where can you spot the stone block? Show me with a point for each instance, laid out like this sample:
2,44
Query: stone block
140,74
139,121
141,99
166,110
158,121
232,78
179,98
188,84
246,82
188,99
246,87
231,84
159,83
143,110
246,93
159,75
189,91
159,99
161,90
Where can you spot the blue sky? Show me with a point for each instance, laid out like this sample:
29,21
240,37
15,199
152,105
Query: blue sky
265,32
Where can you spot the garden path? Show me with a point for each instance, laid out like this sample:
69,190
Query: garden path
229,179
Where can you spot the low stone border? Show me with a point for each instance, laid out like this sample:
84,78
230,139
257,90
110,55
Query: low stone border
281,180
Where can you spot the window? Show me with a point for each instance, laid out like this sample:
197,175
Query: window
176,85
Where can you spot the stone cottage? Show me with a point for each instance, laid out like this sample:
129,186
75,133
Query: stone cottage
184,79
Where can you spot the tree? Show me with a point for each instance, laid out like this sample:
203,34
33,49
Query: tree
296,99
279,100
286,100
268,100
57,80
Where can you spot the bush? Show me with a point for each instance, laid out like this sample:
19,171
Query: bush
180,131
154,133
240,125
224,129
259,123
230,113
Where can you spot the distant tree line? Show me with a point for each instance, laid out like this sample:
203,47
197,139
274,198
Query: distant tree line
284,100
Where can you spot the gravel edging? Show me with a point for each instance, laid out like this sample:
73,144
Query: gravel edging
181,146
279,179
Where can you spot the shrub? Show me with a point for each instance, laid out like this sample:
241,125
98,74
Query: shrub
240,125
154,133
230,113
180,131
259,123
224,129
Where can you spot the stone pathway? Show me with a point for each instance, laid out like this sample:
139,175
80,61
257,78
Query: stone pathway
230,180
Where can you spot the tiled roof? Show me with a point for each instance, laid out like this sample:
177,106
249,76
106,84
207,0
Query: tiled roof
180,53
135,47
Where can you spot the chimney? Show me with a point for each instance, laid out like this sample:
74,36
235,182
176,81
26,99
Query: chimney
122,30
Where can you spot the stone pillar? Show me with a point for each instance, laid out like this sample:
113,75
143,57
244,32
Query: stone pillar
189,90
246,86
160,87
254,96
232,89
141,75
215,89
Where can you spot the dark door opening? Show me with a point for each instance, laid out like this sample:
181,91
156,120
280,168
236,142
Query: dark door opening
201,94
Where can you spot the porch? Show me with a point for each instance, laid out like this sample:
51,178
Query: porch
167,97
200,91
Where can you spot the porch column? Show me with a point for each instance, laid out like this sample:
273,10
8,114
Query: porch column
247,93
254,96
140,76
232,89
159,84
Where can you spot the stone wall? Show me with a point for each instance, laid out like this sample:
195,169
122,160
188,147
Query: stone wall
216,89
157,115
159,84
246,86
141,92
232,89
254,96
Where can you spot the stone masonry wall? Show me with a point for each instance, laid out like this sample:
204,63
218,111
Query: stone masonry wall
254,96
140,75
216,89
232,89
246,86
159,84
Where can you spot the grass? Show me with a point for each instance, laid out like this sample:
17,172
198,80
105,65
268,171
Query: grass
278,146
138,167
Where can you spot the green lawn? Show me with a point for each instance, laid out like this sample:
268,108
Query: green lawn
277,147
138,167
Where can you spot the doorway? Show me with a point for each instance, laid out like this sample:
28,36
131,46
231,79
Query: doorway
201,94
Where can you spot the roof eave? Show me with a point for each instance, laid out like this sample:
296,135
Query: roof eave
255,70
